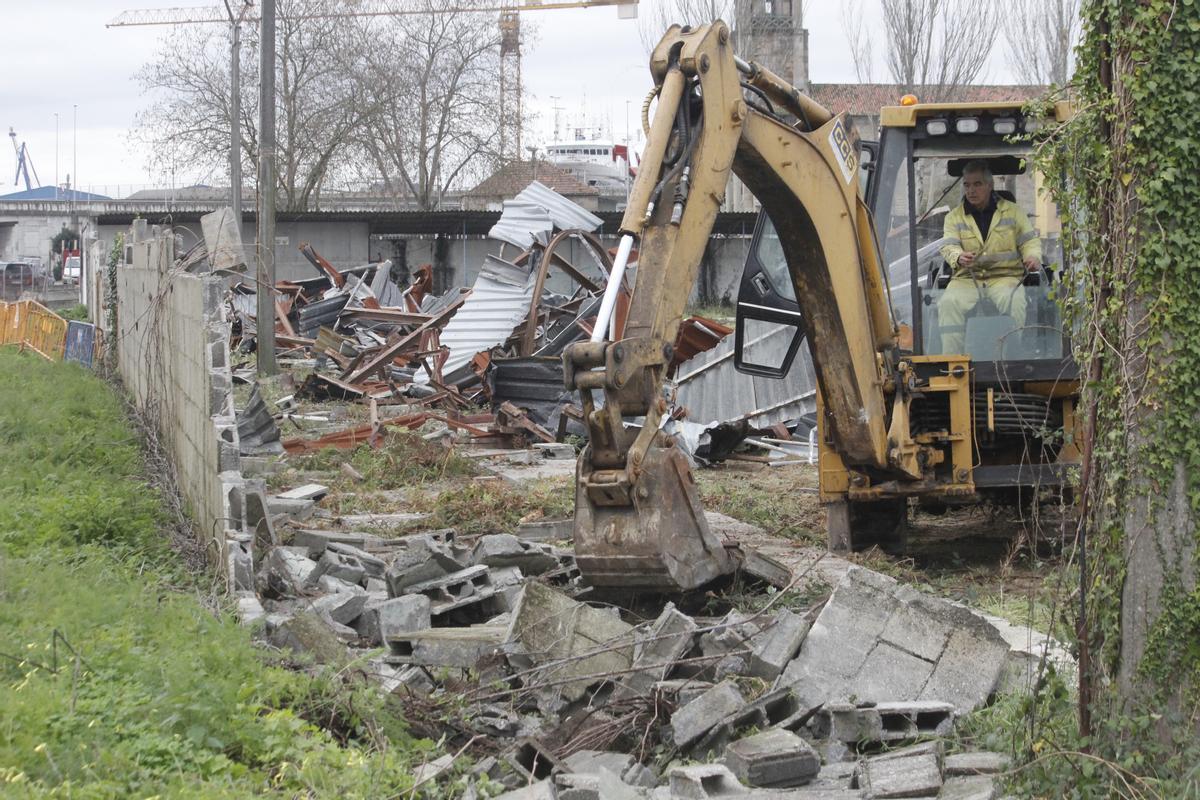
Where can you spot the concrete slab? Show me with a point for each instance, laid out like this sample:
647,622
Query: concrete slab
656,650
911,776
976,763
872,642
570,641
978,787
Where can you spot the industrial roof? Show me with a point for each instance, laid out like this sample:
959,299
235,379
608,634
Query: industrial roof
53,193
861,99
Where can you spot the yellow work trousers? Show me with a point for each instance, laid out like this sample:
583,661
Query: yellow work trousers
962,295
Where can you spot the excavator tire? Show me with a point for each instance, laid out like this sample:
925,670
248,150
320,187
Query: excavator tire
861,525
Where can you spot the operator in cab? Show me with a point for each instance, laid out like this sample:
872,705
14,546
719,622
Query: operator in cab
991,244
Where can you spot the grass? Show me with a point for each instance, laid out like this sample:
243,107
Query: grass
116,680
485,507
766,498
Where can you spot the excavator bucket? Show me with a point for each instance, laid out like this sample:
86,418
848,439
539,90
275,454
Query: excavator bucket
659,542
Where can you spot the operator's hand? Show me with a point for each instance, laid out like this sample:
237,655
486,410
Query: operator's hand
1033,264
966,260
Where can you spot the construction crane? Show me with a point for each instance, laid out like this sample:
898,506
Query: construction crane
24,162
509,22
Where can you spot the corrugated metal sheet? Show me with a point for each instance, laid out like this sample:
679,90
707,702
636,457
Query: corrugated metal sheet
499,301
713,391
323,312
534,213
533,384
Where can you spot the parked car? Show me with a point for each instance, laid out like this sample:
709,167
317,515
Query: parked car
72,269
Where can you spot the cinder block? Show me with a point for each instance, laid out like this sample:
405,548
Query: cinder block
773,759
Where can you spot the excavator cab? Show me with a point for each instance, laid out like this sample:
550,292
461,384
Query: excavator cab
1016,414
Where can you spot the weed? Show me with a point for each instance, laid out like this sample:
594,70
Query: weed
498,507
402,459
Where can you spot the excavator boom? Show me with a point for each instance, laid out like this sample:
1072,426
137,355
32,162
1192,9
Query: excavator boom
639,523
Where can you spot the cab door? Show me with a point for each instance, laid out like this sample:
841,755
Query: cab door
769,323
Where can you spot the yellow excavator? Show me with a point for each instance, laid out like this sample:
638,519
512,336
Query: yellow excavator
846,255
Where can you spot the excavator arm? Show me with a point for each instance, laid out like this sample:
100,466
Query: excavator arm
639,523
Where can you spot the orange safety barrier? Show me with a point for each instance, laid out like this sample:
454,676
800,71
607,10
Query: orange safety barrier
27,323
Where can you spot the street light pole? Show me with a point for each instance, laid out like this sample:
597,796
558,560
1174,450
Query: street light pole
265,323
235,110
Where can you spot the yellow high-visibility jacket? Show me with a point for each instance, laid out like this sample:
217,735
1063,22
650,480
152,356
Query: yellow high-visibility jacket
1010,240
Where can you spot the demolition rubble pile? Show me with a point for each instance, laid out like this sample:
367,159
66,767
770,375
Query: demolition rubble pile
483,360
557,695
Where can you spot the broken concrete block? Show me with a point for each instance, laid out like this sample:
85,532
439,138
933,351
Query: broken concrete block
883,722
691,722
373,565
704,780
773,758
542,790
594,760
765,568
286,572
909,772
249,609
506,550
599,785
306,633
240,565
571,639
343,607
561,530
327,584
777,644
381,619
507,581
776,708
656,650
296,510
335,564
309,491
533,758
448,593
973,787
447,647
976,763
317,540
257,520
914,776
878,641
393,680
422,559
731,635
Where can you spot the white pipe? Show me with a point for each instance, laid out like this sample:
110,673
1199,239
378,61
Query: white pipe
610,291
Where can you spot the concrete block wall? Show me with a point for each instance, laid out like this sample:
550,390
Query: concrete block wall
173,347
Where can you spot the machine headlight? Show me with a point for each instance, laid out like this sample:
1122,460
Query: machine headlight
936,127
1005,126
966,124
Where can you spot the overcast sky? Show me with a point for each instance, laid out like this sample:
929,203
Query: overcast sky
58,56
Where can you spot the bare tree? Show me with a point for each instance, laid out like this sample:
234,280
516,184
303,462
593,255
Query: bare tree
1041,36
858,39
935,46
655,18
187,121
432,99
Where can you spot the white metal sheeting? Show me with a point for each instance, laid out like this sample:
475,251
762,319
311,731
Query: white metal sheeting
534,214
498,303
713,391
